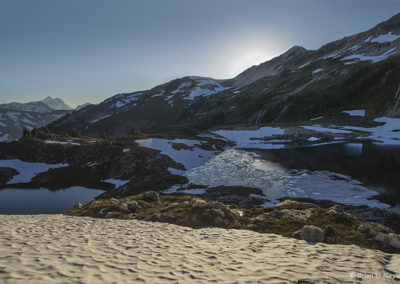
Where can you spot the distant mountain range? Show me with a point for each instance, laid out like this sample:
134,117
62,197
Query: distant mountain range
357,72
16,116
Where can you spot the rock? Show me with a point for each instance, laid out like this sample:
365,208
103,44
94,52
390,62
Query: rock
217,205
311,233
124,208
216,216
78,205
170,207
112,214
366,228
151,196
237,224
103,211
336,208
292,214
297,235
388,239
294,203
133,206
198,203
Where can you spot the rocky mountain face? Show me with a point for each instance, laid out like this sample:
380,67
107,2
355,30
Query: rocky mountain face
56,103
357,72
14,117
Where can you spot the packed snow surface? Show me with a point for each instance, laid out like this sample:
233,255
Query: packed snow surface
189,158
239,168
27,170
357,112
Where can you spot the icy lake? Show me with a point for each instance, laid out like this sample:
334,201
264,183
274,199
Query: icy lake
43,201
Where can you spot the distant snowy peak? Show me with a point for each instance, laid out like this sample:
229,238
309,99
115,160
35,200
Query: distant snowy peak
56,103
39,107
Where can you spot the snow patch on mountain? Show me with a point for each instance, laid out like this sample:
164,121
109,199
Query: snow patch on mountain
356,112
98,119
373,59
389,37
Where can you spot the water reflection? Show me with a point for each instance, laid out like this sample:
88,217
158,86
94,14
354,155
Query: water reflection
370,163
43,201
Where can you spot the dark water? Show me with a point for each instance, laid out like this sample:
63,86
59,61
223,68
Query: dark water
43,201
370,163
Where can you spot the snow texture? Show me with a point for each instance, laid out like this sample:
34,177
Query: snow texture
27,170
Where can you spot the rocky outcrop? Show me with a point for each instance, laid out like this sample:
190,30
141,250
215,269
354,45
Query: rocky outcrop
380,234
302,220
310,233
6,174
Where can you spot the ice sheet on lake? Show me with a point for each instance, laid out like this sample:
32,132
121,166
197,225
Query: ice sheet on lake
188,158
239,168
27,170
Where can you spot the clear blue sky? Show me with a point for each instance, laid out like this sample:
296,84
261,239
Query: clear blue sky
89,50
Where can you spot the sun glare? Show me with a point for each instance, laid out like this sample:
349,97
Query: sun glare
248,59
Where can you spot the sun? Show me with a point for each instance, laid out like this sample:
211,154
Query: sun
247,59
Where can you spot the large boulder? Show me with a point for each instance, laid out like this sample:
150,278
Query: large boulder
151,196
310,233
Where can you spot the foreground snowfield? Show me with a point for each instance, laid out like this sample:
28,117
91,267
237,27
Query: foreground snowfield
62,249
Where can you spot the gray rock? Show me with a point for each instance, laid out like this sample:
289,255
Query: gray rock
388,239
78,205
133,206
151,196
366,228
124,208
297,235
217,205
311,233
198,203
336,208
103,211
112,214
170,207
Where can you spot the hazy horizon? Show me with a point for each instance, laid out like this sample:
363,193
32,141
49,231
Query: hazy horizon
87,51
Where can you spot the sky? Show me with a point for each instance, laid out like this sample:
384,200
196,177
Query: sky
88,50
